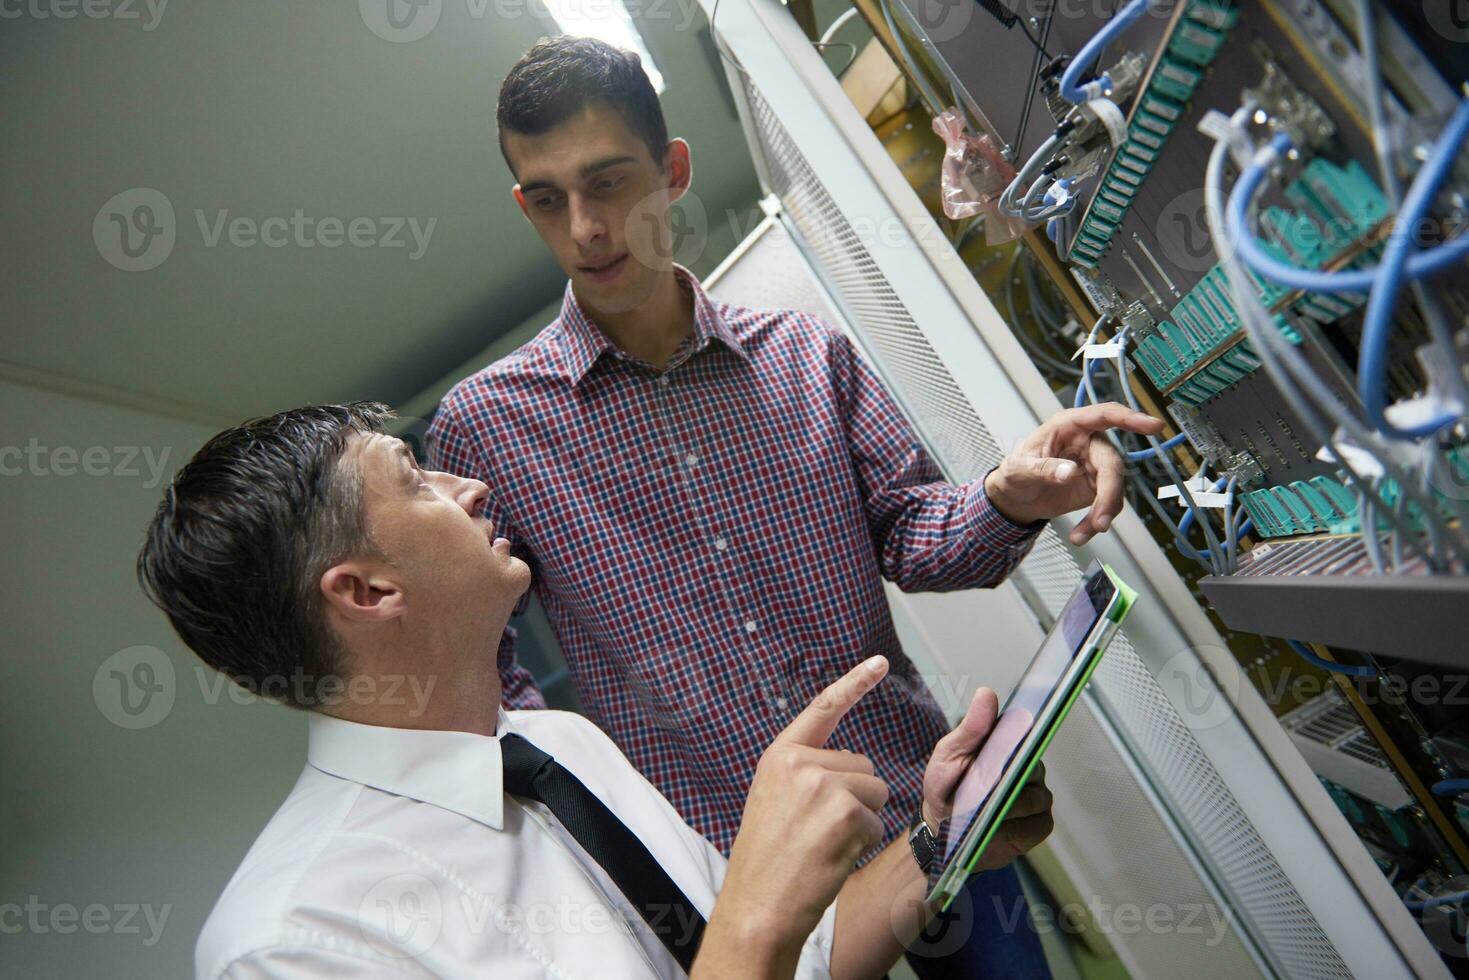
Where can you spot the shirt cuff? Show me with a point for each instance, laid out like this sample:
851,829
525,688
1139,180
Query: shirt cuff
987,523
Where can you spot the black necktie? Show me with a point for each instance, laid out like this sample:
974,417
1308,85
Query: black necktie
533,774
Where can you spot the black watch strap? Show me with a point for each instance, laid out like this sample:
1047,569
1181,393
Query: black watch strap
924,844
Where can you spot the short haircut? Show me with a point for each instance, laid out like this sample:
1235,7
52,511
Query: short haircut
235,552
559,76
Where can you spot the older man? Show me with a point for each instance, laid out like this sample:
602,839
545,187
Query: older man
309,554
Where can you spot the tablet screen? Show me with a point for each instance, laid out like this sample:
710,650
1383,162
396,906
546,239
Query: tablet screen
1040,680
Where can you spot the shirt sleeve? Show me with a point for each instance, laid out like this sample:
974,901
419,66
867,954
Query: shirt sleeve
930,535
451,450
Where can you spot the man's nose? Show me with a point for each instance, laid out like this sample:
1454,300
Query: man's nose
472,496
587,223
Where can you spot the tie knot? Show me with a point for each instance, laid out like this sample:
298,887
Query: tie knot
522,762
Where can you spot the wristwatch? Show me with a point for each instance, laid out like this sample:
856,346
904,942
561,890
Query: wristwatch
925,845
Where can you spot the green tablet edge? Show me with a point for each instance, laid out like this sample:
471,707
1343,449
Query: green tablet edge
1126,596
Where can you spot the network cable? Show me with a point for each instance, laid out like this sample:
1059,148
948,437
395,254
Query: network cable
1071,88
1351,670
1283,363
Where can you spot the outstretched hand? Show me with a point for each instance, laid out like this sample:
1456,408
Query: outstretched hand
1067,464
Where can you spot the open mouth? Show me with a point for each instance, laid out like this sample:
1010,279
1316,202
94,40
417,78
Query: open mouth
606,270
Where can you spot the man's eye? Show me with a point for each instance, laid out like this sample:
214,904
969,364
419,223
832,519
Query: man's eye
547,203
609,184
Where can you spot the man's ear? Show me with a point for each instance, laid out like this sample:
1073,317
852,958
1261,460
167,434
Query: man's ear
516,193
678,167
362,592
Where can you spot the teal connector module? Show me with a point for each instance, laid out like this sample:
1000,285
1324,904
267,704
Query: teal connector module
1194,44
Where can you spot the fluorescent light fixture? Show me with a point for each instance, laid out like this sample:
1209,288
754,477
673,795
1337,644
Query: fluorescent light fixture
605,20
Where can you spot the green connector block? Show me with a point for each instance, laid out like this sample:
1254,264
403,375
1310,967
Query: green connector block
1151,140
1219,15
1195,43
1127,161
1304,520
1107,210
1162,108
1121,177
1100,227
1146,122
1343,504
1135,149
1176,80
1345,202
1271,521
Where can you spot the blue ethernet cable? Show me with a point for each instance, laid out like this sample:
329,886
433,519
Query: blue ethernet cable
1418,265
1071,89
1150,452
1350,670
1377,323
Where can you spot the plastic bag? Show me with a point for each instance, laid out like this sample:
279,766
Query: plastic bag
974,173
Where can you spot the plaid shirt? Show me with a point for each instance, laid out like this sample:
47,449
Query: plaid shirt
709,542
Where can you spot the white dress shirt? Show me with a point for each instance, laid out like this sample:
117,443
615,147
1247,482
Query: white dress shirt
399,853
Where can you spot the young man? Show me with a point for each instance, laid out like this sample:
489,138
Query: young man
709,496
308,554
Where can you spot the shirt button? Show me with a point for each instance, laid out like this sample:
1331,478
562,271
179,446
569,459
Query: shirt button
751,626
720,544
663,380
782,703
691,459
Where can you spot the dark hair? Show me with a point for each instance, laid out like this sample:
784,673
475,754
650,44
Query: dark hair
247,527
561,75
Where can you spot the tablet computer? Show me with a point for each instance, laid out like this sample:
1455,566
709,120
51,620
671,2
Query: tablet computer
1027,720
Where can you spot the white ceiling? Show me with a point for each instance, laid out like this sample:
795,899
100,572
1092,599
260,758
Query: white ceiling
257,109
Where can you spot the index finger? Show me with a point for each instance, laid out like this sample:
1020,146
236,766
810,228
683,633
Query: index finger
1113,415
814,725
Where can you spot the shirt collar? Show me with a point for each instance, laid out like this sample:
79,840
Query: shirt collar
583,342
456,771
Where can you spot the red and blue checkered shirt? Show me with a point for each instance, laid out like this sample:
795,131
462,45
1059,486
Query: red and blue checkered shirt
709,542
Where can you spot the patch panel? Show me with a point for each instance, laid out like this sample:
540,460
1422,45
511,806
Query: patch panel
1194,44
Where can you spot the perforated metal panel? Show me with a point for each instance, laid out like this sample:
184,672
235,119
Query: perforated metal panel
1195,800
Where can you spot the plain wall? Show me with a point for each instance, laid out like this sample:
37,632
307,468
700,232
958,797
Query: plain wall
153,817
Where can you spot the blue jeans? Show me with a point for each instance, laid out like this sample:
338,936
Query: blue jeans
985,935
